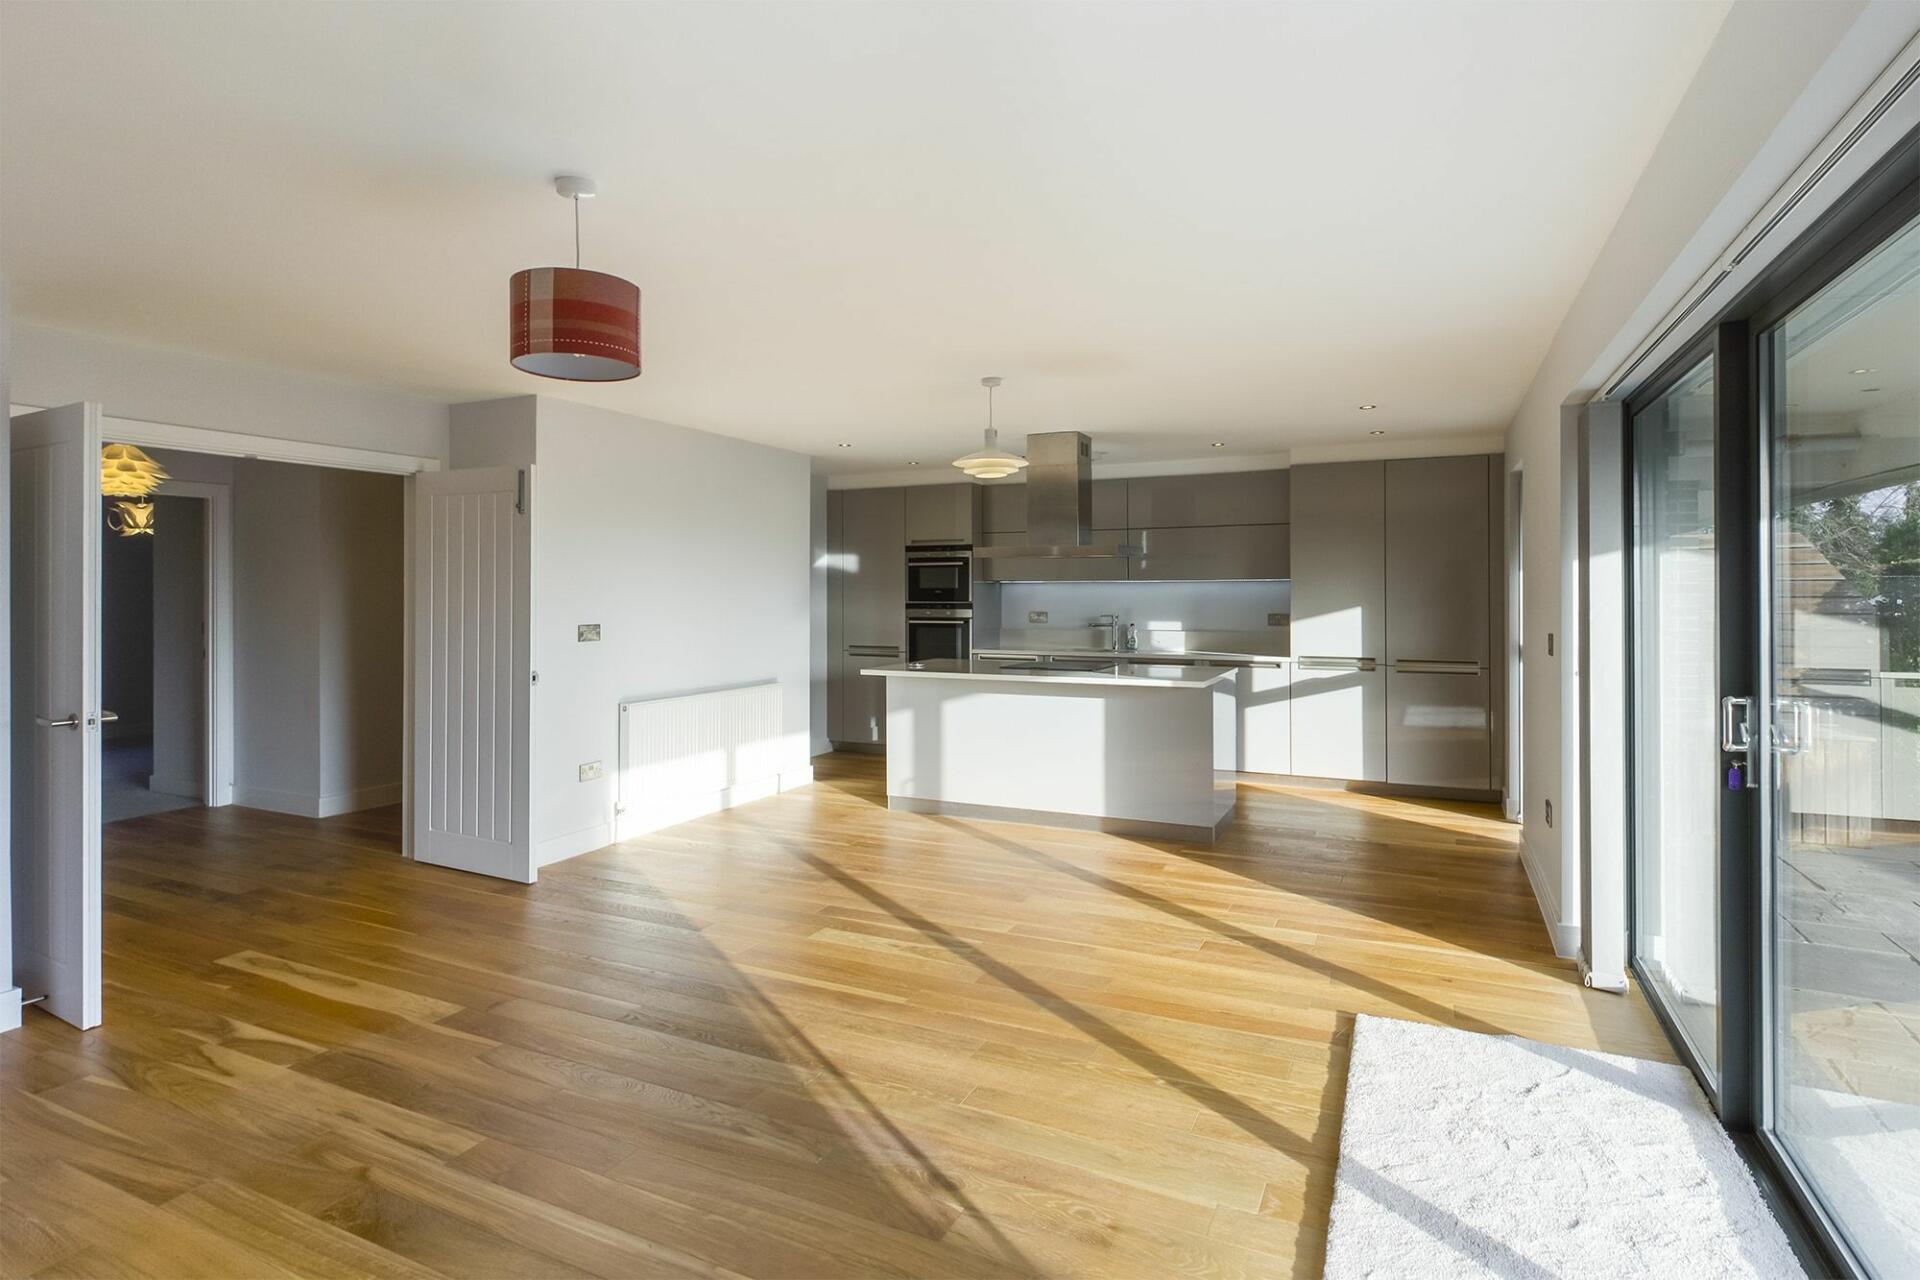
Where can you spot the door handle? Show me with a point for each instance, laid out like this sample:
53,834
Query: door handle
108,717
67,722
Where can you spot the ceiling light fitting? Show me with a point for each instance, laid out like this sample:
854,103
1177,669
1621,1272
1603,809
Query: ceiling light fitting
1367,407
991,462
570,323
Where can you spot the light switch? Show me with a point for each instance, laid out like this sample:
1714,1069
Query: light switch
1276,619
1036,616
587,632
590,771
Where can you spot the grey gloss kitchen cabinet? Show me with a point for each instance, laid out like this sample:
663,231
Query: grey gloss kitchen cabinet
866,602
1221,498
1439,728
1438,557
1210,553
863,700
1339,560
1004,520
1439,540
1339,694
942,514
872,559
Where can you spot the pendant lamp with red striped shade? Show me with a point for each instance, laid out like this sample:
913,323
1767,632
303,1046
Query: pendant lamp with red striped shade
574,324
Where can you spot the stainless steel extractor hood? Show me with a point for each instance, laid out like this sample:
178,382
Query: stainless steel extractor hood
1059,502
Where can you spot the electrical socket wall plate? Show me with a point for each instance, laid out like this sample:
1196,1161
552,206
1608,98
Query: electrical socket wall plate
1036,616
590,771
587,632
1276,619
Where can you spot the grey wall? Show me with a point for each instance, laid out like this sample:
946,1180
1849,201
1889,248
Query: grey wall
318,649
178,666
9,996
362,654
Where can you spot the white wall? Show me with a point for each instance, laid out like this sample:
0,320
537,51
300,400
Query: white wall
1778,76
157,385
692,553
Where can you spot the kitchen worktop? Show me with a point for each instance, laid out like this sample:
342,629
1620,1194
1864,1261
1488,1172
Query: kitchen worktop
1125,674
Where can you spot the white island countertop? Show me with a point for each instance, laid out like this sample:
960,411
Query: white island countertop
1006,670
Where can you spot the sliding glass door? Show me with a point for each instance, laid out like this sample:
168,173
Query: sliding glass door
1841,403
1676,691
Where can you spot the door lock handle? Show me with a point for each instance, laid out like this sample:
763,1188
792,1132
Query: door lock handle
66,722
108,717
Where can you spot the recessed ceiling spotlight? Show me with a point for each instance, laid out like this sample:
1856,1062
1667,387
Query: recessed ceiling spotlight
1376,433
1867,391
846,446
913,464
1369,406
1219,444
1858,371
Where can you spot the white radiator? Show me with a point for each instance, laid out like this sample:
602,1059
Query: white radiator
698,753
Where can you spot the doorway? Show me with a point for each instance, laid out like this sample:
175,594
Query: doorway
156,649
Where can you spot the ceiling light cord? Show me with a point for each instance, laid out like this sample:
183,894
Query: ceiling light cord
576,233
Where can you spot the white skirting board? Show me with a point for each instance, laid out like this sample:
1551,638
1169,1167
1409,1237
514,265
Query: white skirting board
1565,937
301,804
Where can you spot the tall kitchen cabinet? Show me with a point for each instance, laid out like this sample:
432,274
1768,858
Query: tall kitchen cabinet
1339,623
1439,565
866,602
1395,602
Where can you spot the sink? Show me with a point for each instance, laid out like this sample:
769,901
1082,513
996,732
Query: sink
1061,666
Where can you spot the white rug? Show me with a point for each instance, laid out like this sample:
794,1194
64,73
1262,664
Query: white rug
1472,1155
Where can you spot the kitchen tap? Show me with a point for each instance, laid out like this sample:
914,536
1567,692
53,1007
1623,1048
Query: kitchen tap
1111,622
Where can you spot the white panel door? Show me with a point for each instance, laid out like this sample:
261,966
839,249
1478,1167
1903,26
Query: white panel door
473,671
56,523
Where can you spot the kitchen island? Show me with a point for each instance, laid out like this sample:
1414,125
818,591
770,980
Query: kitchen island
1137,748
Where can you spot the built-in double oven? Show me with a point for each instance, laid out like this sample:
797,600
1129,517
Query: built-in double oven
939,602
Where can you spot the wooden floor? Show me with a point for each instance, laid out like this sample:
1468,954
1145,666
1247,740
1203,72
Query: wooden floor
806,1038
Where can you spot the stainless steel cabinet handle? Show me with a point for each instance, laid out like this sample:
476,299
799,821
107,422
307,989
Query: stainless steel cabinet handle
1736,725
1337,664
1436,667
68,722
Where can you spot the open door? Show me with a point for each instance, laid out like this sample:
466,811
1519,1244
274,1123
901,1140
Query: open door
56,704
473,671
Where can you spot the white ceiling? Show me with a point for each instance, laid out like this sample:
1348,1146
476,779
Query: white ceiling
1165,224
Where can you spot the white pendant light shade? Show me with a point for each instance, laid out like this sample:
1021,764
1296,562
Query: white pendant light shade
991,462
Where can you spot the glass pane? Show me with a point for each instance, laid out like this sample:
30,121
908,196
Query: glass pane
1676,712
1845,584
